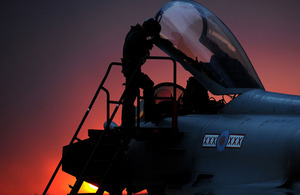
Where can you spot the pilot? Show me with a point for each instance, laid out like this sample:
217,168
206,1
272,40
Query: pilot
195,98
137,46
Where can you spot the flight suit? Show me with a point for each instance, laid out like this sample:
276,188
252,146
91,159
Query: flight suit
136,49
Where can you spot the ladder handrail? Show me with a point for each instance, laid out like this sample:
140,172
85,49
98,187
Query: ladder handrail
82,122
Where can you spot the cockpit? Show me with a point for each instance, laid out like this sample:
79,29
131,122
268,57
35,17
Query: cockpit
205,47
193,99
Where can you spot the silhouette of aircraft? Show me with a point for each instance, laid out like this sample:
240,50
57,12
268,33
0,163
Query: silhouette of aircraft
198,146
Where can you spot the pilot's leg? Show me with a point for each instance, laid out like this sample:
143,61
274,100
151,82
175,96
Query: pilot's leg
128,111
147,85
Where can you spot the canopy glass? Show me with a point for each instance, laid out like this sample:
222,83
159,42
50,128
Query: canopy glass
204,46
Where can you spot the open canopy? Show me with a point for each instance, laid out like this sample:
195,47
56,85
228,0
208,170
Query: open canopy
205,47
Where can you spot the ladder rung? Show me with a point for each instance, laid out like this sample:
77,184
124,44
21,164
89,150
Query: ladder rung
115,102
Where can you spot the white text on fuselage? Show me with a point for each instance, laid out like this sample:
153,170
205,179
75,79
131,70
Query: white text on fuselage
214,140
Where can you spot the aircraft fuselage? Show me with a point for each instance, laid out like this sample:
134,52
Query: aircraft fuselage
223,149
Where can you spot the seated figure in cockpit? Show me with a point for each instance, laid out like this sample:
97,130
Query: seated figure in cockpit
195,98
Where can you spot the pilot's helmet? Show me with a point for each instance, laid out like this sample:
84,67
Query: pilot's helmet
151,26
196,88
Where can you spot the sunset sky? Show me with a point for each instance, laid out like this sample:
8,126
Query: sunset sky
53,55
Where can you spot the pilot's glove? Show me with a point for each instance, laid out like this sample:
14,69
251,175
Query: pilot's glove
149,44
155,38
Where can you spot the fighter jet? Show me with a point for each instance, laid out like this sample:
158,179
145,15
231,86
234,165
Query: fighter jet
197,145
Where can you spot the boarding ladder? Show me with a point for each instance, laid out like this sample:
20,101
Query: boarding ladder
110,144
